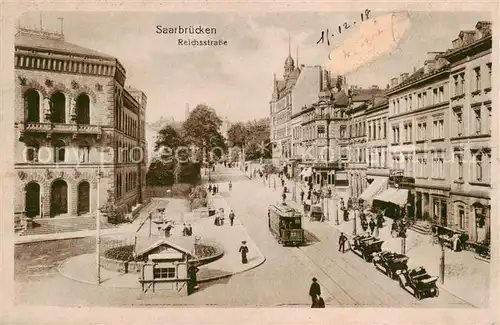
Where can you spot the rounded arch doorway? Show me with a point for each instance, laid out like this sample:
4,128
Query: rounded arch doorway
58,198
83,198
32,200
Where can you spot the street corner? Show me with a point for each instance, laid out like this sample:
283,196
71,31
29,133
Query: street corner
82,268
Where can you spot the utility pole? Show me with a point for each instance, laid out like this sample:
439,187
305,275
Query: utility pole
99,174
442,262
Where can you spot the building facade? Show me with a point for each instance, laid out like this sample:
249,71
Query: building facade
470,119
73,118
280,114
440,135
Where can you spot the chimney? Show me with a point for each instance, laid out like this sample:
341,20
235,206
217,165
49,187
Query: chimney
394,82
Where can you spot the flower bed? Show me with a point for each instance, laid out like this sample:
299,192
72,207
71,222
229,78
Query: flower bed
121,258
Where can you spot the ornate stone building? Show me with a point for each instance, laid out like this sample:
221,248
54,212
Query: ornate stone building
73,117
281,112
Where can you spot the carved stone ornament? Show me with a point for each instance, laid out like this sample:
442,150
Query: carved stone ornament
61,174
22,81
98,87
76,173
48,174
74,84
49,83
22,175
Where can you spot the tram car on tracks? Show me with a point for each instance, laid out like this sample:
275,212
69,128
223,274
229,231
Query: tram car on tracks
285,223
366,246
390,263
418,282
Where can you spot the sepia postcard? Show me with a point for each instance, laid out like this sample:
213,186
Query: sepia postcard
249,162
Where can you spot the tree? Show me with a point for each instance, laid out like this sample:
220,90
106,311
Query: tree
237,135
168,137
201,125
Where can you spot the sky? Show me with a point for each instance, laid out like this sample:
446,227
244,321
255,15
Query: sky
237,79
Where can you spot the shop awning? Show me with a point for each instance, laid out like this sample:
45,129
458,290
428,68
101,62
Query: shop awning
307,172
393,195
377,186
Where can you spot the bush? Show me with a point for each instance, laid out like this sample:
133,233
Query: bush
111,211
198,197
121,253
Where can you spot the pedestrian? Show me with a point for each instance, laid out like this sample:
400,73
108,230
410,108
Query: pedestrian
372,225
184,230
314,292
167,229
189,230
213,190
346,214
342,205
244,252
342,240
230,186
210,187
231,217
364,224
349,203
302,195
284,197
282,182
216,188
193,279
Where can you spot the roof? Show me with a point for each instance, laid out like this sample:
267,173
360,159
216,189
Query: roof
182,244
39,41
341,99
362,95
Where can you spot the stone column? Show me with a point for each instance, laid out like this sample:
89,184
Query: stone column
46,199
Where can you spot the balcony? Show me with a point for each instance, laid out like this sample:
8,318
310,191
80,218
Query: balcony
58,128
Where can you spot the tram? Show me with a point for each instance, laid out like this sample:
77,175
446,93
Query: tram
285,223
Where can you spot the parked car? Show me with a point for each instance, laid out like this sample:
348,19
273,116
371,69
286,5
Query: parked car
365,246
390,263
418,282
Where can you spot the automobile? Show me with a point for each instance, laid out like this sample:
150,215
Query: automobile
365,246
418,282
316,213
390,263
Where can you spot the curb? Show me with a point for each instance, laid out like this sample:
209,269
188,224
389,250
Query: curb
231,274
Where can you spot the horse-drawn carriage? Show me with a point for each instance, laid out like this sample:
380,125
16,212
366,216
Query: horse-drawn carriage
365,246
390,263
418,282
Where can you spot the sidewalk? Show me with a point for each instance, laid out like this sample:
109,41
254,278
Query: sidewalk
82,268
462,269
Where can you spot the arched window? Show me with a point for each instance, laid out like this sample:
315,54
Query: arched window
58,103
83,109
32,106
59,151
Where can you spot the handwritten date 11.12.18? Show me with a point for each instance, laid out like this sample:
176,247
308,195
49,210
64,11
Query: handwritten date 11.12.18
325,35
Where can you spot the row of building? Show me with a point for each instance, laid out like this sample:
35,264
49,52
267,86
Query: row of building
423,142
74,117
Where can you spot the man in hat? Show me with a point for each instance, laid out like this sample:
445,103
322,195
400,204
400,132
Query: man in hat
342,240
189,230
314,292
244,252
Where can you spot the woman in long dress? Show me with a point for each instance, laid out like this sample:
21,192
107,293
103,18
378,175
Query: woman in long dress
244,252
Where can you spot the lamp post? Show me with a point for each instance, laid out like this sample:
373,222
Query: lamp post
354,225
442,262
336,207
99,174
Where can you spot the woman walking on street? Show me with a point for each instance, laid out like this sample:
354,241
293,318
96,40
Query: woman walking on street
244,252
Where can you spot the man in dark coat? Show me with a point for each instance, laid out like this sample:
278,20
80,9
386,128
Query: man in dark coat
342,240
372,225
231,217
314,292
302,195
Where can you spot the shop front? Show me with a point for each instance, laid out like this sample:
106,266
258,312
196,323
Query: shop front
377,185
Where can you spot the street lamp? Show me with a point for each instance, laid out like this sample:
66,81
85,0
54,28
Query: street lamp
99,174
354,230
